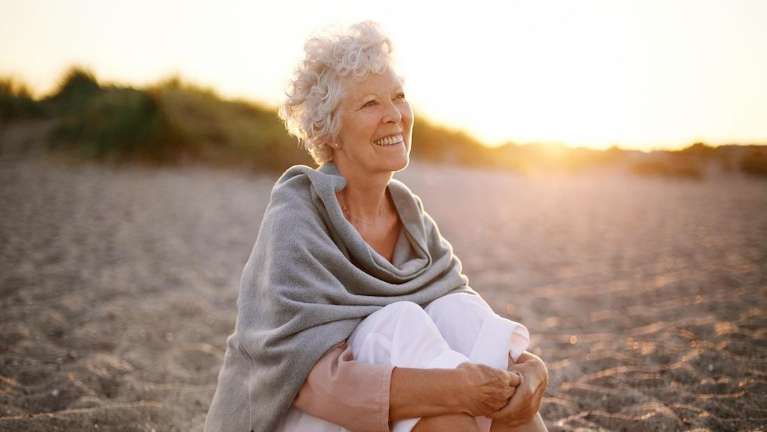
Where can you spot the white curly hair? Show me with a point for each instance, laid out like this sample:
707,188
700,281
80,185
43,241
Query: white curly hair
315,91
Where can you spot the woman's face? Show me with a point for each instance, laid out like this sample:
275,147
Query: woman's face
376,124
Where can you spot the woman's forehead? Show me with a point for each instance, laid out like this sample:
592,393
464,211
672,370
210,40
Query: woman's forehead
373,83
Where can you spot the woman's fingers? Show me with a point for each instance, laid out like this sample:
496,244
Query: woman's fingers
510,382
525,401
528,395
512,414
535,372
487,389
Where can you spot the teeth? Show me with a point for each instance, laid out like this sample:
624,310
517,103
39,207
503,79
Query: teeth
389,140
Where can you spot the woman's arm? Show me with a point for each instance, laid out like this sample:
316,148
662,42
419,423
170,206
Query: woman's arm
473,389
366,397
352,394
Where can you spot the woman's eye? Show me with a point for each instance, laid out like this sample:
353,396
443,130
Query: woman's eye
369,103
401,96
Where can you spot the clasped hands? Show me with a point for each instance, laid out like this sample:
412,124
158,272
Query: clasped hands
511,397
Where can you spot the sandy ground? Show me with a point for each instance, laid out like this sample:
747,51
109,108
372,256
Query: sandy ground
647,298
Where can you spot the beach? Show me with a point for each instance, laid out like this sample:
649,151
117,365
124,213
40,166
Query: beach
646,297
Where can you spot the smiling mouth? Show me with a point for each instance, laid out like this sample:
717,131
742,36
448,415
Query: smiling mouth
389,141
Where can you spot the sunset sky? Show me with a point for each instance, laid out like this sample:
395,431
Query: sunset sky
637,74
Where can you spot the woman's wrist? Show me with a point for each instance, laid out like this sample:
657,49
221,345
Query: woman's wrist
453,397
424,393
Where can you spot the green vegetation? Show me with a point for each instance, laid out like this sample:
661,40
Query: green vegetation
225,132
116,124
16,102
75,90
168,123
108,123
439,144
755,161
175,122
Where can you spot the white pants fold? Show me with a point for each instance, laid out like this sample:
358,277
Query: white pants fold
451,330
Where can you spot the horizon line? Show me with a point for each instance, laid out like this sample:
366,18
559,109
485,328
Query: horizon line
38,94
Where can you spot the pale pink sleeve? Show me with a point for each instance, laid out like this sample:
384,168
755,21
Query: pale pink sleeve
346,392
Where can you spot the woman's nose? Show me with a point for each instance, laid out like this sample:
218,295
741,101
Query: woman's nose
393,114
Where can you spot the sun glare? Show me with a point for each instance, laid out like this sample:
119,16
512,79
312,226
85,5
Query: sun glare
593,74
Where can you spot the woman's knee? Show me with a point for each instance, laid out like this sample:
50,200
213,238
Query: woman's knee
398,315
396,311
401,333
401,308
411,317
459,318
459,304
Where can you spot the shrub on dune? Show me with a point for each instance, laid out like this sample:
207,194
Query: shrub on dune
225,131
16,101
754,162
118,124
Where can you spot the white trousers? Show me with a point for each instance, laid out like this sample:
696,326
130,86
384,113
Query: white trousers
451,330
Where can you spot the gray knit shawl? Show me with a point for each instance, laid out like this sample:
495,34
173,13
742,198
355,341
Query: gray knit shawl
309,281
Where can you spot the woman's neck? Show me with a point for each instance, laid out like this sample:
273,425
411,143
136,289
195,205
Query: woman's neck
365,195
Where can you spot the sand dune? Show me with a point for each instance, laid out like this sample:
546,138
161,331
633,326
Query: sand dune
646,298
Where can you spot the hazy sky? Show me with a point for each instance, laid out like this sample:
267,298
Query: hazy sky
639,74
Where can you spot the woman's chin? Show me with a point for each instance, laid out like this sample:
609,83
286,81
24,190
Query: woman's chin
399,163
405,161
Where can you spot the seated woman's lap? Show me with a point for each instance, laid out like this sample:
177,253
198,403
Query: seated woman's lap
402,334
453,329
406,335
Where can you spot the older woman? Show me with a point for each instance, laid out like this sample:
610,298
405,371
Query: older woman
353,313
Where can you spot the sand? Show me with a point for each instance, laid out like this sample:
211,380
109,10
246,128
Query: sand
647,298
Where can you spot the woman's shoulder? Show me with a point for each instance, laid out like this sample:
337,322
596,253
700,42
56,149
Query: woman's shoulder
289,208
402,191
292,179
292,189
295,199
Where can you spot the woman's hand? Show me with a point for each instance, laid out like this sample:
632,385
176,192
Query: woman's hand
483,389
527,399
